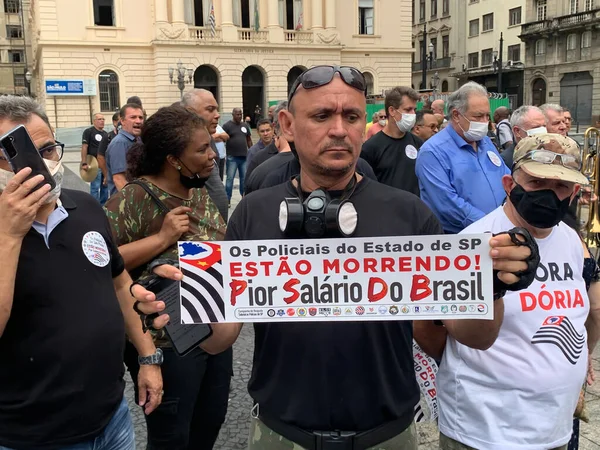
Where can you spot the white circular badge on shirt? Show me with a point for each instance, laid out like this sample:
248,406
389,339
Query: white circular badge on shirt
244,130
411,151
495,159
95,249
98,137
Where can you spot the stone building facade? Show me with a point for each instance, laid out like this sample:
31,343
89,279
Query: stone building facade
249,57
562,48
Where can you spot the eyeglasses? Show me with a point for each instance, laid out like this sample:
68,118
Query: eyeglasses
52,152
322,75
548,157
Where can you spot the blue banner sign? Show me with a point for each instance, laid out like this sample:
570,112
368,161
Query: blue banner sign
70,87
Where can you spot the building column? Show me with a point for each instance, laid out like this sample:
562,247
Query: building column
276,35
226,12
228,29
178,11
330,14
273,13
160,7
317,14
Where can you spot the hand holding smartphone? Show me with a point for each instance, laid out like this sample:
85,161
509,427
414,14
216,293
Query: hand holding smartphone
20,152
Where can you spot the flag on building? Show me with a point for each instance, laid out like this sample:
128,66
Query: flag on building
211,20
299,24
202,285
256,17
559,331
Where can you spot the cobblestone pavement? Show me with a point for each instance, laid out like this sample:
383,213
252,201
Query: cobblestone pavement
234,432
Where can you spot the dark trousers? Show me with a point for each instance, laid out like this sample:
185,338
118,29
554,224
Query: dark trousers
221,168
194,405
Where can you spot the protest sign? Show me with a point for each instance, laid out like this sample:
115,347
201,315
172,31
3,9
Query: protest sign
383,278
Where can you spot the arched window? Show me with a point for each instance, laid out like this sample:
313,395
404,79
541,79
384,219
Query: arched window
572,41
445,86
540,47
370,83
108,86
586,39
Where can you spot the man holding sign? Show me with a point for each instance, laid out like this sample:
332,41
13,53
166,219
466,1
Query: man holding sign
351,384
521,393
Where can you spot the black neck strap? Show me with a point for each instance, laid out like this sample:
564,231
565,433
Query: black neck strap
348,190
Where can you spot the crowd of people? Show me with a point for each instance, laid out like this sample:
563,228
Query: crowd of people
69,324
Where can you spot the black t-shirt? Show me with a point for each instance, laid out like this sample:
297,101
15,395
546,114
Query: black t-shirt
394,160
283,166
237,145
61,374
92,137
260,157
104,144
349,376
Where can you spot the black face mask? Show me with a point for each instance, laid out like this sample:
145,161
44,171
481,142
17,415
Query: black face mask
193,182
541,209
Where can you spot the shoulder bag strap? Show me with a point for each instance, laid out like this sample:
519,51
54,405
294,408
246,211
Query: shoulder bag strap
164,208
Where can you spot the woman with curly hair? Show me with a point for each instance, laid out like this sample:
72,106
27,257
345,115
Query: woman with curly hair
173,162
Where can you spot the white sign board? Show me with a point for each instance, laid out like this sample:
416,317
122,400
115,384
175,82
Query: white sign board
383,278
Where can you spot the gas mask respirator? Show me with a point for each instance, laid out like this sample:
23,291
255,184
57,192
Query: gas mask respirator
319,215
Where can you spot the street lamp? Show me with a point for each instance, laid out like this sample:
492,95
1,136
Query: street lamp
28,77
426,57
435,81
181,74
498,64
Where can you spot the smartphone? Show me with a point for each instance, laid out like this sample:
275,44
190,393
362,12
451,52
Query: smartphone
184,338
20,152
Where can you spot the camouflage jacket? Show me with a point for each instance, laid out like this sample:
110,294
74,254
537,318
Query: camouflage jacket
134,215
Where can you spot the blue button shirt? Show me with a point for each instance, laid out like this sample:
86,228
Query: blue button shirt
116,157
54,219
253,151
460,185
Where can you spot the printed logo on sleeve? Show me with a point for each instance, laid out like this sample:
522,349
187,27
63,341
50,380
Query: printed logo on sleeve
98,137
95,249
244,130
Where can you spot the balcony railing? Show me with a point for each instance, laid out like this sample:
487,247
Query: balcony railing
561,23
205,34
299,37
441,63
245,35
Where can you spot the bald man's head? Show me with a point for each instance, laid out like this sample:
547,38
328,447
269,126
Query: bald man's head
501,113
438,107
203,103
237,115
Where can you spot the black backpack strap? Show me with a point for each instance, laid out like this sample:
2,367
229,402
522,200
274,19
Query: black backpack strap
164,208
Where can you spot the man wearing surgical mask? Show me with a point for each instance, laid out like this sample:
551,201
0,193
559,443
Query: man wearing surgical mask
392,153
524,121
459,169
65,306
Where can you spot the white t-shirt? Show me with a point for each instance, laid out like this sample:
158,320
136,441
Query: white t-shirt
522,392
220,145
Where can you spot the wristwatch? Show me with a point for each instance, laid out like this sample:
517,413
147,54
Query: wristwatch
155,359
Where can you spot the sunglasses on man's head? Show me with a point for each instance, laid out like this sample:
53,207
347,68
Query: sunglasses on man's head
322,75
548,157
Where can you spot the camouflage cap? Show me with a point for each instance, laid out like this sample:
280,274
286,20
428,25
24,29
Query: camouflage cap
559,158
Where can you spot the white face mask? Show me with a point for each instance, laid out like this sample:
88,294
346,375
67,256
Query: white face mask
476,132
407,122
55,168
382,123
538,130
